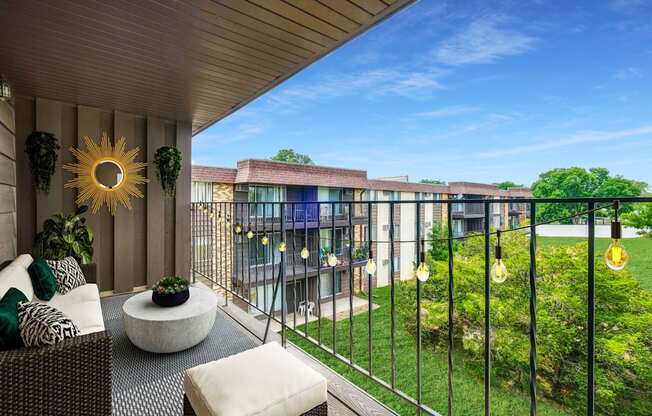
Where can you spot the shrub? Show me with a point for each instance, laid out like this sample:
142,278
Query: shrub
623,321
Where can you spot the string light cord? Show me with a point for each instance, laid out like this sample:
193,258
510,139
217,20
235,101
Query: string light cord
473,235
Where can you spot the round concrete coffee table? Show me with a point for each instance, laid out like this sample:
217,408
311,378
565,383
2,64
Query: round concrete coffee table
161,329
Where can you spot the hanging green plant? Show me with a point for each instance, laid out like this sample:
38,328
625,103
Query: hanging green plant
41,149
168,165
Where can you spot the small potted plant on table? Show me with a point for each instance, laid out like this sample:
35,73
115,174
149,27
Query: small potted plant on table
170,291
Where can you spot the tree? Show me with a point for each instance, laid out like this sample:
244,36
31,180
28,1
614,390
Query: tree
505,185
290,156
438,244
433,181
623,338
640,218
579,182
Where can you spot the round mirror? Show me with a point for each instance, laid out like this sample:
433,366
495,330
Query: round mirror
108,174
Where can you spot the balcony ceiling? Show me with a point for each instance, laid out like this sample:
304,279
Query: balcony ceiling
193,60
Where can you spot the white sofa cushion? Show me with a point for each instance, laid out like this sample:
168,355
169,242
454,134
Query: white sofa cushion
15,275
24,260
82,305
264,381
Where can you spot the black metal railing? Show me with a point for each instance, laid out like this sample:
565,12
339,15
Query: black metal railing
221,253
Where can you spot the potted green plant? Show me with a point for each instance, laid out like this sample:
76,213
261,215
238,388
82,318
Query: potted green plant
168,165
41,149
170,291
64,236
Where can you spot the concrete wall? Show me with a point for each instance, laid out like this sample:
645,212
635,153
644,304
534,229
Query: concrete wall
572,230
8,241
135,247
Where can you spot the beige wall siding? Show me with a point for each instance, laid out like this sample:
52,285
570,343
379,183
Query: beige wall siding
223,267
135,247
8,232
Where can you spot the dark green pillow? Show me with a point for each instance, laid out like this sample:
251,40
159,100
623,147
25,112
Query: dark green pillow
43,280
9,323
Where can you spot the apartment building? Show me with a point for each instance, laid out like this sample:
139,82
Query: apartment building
327,227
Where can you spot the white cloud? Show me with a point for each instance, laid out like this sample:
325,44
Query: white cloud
376,82
451,111
483,41
588,136
627,73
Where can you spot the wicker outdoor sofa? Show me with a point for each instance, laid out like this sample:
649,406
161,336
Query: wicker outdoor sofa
72,377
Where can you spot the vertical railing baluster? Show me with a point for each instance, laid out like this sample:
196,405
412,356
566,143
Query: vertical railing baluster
590,384
282,277
419,245
305,266
248,205
369,292
230,236
487,317
392,295
256,240
265,256
294,268
451,310
350,207
333,250
318,272
270,247
533,310
242,249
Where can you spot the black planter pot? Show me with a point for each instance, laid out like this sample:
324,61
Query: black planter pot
175,299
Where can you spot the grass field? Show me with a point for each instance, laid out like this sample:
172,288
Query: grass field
639,249
467,377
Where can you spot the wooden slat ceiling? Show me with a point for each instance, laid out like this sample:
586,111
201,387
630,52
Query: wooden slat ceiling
195,60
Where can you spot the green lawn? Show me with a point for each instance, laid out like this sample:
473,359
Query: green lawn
468,385
639,249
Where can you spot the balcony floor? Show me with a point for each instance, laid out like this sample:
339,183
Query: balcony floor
147,384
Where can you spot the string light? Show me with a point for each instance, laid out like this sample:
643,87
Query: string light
282,246
265,239
250,234
305,253
498,270
237,228
423,271
616,256
370,267
332,260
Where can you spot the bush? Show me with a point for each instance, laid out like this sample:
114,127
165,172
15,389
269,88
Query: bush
623,321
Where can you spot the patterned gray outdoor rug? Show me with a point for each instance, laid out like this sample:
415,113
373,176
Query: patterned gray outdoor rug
147,384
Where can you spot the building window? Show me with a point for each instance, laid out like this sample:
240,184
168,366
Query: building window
326,284
325,236
202,192
260,254
264,294
266,194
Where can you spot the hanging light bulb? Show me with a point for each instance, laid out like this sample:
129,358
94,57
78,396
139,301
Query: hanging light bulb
265,239
227,223
498,270
282,246
237,228
250,234
370,267
219,218
211,216
616,257
305,253
205,209
423,271
332,260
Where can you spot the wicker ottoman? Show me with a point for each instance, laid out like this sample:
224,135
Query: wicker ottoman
264,381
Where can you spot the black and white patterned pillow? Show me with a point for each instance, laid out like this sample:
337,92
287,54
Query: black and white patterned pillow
42,324
68,273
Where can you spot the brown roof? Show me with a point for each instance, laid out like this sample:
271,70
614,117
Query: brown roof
261,171
281,173
472,188
213,174
391,185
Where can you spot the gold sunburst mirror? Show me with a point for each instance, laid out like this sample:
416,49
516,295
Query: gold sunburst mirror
106,174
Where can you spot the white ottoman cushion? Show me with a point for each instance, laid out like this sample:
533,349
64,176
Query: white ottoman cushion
264,381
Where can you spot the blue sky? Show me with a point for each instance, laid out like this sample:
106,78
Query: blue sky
475,90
